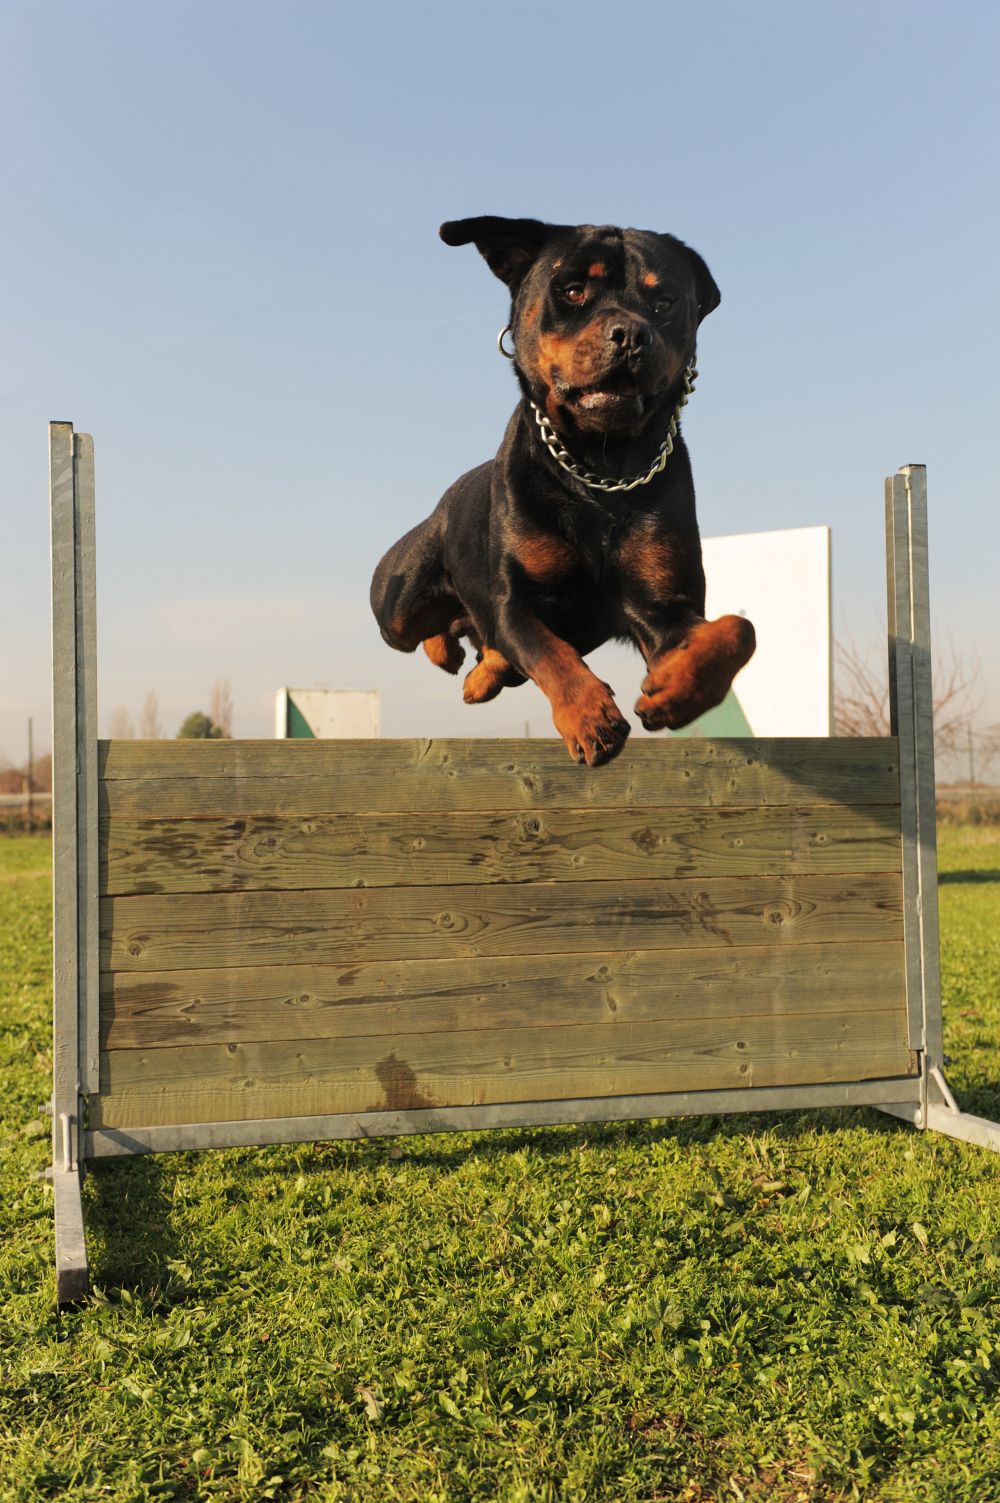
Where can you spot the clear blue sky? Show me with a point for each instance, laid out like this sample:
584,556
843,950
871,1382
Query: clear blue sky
220,257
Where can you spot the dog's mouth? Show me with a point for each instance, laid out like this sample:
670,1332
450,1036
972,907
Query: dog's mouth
611,399
615,396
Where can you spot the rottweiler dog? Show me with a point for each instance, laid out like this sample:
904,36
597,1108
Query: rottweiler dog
583,527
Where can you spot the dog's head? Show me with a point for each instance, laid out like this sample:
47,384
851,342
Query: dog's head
604,319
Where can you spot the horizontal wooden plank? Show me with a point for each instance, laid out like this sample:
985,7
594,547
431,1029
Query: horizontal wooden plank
239,1081
234,779
180,1008
385,850
165,932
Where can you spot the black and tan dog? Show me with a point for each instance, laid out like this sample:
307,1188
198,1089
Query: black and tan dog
583,527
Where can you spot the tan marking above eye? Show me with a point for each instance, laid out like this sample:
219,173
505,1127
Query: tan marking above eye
651,279
598,269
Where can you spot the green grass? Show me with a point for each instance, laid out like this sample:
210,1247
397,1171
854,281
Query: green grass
762,1309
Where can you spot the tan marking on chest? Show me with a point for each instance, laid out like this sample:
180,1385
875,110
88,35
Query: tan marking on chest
651,561
545,558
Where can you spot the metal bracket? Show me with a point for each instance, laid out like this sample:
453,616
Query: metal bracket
935,1076
68,1139
946,1116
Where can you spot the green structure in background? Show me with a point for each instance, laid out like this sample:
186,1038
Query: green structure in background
325,714
297,723
726,719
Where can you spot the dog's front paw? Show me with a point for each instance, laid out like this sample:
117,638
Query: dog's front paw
695,677
592,726
491,674
445,651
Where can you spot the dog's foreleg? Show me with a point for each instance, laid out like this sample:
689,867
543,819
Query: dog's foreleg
491,674
583,708
693,674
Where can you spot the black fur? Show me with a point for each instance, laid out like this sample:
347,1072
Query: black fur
524,561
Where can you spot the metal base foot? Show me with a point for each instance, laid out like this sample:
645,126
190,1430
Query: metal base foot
964,1125
72,1276
942,1113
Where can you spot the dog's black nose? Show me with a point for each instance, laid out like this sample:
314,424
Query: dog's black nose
629,334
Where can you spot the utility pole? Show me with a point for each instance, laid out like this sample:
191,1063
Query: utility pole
972,757
31,776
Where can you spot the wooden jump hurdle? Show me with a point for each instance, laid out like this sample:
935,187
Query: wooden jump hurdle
281,941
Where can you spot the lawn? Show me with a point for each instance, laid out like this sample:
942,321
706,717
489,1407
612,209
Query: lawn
753,1309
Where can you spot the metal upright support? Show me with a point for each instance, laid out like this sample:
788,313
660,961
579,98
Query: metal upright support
912,720
74,845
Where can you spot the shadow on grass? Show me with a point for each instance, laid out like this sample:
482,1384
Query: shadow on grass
989,874
131,1233
445,1150
137,1241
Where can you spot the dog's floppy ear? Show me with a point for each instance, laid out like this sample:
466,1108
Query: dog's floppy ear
509,246
706,291
709,296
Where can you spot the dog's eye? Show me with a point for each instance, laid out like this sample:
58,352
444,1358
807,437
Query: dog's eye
574,292
663,305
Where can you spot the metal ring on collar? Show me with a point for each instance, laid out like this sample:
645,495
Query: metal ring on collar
507,354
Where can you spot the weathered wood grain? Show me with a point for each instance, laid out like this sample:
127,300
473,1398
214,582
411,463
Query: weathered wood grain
385,850
178,1008
180,931
237,1081
235,779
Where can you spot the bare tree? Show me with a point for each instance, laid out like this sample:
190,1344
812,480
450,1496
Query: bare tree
220,706
861,693
861,697
150,728
42,779
121,725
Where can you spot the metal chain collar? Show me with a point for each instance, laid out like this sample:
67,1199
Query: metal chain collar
562,456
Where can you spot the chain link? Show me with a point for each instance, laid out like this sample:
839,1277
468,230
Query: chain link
562,456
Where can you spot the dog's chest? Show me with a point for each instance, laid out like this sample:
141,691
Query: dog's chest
612,553
587,585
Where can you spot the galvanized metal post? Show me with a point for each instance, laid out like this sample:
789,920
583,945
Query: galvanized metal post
912,720
911,506
74,845
903,725
86,760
